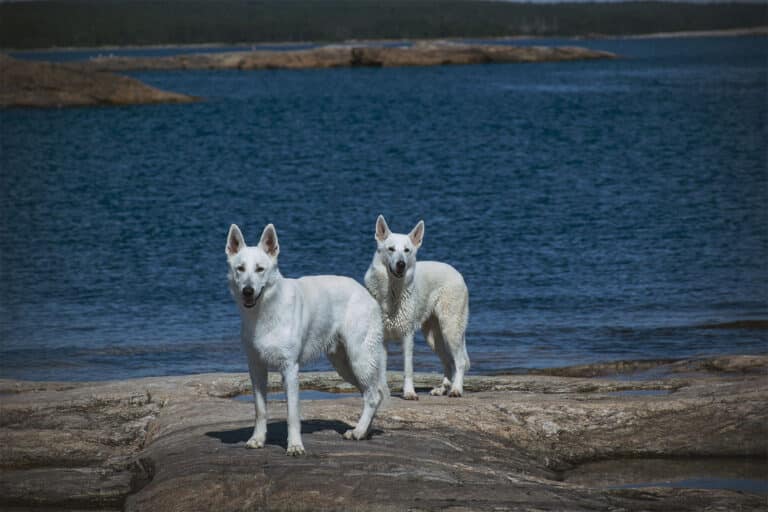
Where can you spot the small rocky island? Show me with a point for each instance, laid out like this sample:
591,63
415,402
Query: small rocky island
601,437
44,84
423,53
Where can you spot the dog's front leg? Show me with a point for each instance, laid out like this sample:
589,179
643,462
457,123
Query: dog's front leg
291,384
409,393
258,372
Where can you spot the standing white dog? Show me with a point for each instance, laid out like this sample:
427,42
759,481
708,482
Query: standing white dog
286,322
426,294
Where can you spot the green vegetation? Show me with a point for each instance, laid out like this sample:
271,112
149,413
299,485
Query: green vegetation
144,22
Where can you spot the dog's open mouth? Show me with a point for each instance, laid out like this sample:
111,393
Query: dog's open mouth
395,273
249,302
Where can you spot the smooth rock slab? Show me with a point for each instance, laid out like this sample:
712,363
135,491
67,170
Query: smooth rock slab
178,443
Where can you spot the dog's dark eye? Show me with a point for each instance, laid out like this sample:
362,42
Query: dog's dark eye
407,250
241,268
391,249
259,269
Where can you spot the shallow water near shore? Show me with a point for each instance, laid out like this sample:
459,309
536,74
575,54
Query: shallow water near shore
733,473
598,210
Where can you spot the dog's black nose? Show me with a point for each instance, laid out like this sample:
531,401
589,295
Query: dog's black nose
248,291
400,266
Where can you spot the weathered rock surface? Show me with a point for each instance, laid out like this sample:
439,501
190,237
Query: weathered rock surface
420,54
524,442
45,84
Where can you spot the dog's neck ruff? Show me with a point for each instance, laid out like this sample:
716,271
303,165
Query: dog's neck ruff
396,289
396,299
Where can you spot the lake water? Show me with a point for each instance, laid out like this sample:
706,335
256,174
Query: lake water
598,210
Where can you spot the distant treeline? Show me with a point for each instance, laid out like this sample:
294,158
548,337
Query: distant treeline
40,24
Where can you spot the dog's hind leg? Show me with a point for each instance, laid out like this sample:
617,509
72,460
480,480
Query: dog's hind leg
367,362
371,400
434,337
461,361
340,361
453,312
258,373
454,356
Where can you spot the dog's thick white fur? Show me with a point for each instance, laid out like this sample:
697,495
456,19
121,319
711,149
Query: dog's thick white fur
426,294
287,322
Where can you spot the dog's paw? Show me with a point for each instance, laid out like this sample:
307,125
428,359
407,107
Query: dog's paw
355,436
410,395
455,393
295,450
438,391
254,443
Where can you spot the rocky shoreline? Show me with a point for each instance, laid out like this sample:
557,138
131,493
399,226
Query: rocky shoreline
514,442
46,84
424,53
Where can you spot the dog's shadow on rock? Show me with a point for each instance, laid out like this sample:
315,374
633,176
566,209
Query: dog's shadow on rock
277,432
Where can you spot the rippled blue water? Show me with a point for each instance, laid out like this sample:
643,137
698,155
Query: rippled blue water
598,210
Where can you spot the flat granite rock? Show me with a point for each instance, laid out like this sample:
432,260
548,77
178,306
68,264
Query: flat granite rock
46,84
513,442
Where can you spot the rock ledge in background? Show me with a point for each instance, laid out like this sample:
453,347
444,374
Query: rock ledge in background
423,53
45,84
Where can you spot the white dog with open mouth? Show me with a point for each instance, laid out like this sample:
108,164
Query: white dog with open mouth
287,322
426,294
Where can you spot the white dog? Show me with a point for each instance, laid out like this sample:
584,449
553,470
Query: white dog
286,322
427,294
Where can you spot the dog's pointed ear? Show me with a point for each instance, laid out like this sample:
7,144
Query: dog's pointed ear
268,242
382,230
235,240
417,234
